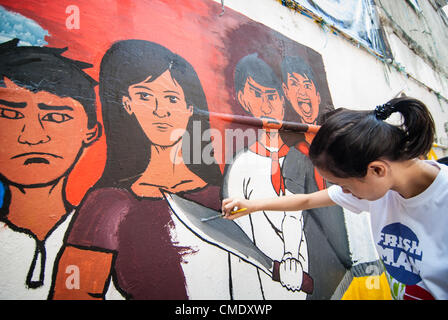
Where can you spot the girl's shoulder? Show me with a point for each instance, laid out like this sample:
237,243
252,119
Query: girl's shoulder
435,195
441,180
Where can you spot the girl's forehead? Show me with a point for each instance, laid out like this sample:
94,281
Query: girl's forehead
327,175
331,178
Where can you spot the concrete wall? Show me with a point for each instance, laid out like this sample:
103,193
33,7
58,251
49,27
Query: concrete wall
418,41
425,31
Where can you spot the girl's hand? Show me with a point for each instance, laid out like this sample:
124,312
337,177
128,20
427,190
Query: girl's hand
233,204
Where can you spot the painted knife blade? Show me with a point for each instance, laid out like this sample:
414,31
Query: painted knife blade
227,235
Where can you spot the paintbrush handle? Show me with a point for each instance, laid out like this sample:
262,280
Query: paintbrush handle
211,218
221,215
239,210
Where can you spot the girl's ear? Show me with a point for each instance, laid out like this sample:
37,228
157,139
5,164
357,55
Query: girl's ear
378,168
127,104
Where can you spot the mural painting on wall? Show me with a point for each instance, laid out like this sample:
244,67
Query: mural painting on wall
118,134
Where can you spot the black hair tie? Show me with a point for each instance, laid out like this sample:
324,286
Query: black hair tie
383,112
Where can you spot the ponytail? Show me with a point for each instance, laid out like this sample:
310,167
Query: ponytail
349,140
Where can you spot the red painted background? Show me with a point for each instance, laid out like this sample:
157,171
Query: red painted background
196,30
103,22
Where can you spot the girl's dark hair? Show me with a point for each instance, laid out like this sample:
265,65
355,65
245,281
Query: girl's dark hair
349,140
128,149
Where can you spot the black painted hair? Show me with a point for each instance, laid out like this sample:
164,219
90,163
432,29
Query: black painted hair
296,65
45,69
349,140
129,62
257,69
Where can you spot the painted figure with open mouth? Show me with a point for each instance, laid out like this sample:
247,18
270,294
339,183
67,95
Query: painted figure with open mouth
299,87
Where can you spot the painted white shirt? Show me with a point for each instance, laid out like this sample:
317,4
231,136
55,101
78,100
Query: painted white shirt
249,176
411,236
23,256
24,260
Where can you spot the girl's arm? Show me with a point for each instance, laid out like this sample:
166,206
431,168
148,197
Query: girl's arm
293,202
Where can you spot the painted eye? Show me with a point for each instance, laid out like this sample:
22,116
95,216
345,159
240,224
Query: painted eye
11,114
143,96
173,99
56,117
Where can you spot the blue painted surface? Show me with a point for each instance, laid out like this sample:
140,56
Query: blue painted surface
14,25
2,194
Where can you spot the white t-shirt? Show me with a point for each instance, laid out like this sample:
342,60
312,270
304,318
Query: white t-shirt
411,236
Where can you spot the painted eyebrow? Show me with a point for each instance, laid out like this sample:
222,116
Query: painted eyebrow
143,87
306,79
44,106
13,104
170,91
292,76
259,90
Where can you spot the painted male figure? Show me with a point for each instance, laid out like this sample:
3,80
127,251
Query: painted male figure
329,257
299,87
47,118
256,173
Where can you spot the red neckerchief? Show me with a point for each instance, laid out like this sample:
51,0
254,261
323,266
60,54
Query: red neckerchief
305,149
276,175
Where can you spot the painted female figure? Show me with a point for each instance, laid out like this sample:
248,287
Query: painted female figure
124,232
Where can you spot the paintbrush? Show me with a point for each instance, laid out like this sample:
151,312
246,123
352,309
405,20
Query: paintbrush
222,215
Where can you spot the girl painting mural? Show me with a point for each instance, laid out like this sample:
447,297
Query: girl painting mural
124,232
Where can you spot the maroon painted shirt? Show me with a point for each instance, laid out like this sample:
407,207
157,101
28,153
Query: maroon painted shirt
146,264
